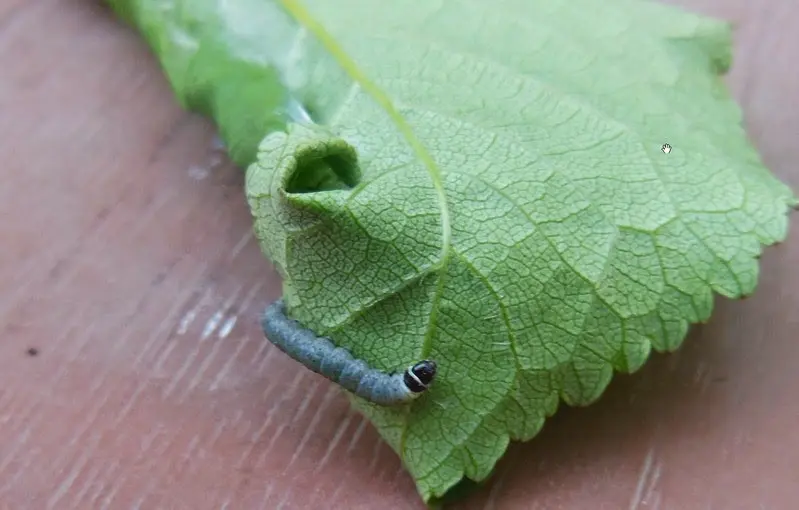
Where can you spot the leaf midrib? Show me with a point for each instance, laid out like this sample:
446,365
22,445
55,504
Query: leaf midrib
304,18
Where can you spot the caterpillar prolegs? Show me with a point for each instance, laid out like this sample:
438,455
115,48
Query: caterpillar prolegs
337,364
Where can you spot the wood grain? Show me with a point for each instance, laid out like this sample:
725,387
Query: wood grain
128,264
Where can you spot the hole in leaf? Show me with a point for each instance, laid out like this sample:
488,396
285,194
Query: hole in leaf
314,173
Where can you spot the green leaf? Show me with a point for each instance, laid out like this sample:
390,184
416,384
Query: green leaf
510,213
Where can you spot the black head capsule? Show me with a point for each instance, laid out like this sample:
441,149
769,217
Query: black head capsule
418,377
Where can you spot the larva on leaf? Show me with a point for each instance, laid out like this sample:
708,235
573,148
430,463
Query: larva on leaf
337,364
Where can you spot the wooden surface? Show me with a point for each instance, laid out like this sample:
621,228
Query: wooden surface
126,260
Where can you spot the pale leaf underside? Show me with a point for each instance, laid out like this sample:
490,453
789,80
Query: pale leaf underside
511,214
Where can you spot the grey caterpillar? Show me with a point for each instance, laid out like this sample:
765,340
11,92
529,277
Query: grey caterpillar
337,364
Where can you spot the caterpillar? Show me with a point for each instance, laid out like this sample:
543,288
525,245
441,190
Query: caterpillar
337,364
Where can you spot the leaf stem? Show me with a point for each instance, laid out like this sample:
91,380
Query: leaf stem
301,14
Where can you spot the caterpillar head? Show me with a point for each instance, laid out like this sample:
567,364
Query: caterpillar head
419,376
